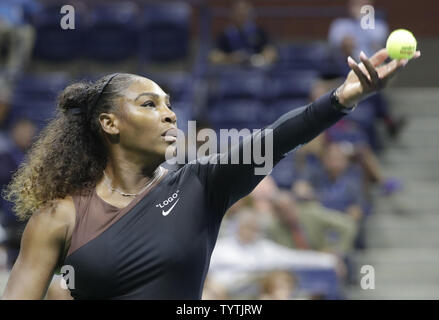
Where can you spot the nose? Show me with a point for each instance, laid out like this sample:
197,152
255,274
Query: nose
169,116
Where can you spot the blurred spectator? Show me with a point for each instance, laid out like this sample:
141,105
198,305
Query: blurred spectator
283,227
329,197
241,256
243,41
332,181
213,290
17,35
347,131
281,285
347,36
21,137
362,154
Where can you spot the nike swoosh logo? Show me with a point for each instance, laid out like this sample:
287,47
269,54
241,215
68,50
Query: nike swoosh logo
165,213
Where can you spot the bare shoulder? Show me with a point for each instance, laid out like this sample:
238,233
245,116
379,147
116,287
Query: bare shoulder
56,219
43,244
63,211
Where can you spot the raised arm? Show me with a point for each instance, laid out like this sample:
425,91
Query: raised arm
226,183
42,246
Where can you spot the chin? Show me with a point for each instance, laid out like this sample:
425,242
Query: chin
168,151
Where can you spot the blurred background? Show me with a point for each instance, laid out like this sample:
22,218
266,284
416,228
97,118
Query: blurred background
364,193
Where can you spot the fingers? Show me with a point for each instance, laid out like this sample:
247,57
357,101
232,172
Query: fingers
389,69
361,76
372,73
379,57
393,66
370,68
402,63
366,72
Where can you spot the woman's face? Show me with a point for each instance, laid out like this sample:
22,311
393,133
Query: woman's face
145,120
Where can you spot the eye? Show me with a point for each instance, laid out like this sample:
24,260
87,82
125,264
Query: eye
148,104
169,106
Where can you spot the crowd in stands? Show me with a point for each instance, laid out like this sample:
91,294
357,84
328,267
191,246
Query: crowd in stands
293,236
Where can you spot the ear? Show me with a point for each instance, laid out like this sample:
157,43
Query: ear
109,123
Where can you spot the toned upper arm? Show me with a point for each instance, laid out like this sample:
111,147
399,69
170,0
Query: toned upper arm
42,247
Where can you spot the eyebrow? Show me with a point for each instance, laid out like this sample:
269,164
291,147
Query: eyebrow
152,94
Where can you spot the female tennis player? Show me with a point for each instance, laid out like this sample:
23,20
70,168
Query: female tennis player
98,200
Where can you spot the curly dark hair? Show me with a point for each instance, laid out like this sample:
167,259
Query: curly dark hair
69,155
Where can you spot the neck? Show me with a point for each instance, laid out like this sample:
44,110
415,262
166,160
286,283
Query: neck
130,176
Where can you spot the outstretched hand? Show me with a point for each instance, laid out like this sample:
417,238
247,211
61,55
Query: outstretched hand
370,76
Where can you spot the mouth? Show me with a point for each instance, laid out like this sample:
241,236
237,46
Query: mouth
170,135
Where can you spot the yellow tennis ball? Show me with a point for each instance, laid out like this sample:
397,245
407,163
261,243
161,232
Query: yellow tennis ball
401,44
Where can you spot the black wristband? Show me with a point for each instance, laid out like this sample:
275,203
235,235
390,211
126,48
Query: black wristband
337,105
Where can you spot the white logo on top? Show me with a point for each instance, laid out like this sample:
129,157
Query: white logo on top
168,201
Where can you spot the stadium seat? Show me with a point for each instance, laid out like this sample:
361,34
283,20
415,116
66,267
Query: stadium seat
287,85
283,172
35,96
366,115
179,85
274,109
237,85
41,86
183,111
319,282
52,42
237,114
164,32
113,32
302,57
40,112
